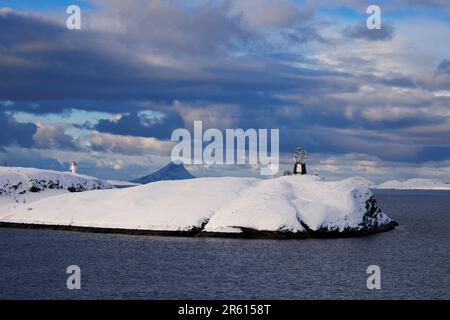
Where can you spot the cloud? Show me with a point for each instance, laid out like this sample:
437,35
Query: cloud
137,124
390,113
304,34
272,13
51,136
434,153
52,61
96,164
219,116
129,145
439,3
385,4
376,169
15,133
25,157
393,79
171,28
361,31
231,64
92,65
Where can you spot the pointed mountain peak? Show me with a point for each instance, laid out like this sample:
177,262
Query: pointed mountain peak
171,171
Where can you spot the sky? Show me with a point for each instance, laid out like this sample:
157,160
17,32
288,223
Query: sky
372,103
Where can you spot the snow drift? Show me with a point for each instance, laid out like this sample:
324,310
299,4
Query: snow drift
295,206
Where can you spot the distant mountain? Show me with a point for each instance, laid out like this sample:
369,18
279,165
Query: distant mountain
171,171
414,184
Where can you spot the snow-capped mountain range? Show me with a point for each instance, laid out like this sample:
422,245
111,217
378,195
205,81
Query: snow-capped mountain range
414,184
411,184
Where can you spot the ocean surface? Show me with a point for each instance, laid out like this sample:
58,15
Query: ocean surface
414,261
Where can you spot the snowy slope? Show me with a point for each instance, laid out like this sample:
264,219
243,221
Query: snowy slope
294,204
414,184
171,171
365,182
20,186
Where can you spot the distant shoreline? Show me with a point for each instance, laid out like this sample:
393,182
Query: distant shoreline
412,191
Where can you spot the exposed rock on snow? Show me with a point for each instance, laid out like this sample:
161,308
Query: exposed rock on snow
171,171
122,184
292,206
414,184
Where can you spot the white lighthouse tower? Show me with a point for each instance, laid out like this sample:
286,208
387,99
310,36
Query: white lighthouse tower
73,167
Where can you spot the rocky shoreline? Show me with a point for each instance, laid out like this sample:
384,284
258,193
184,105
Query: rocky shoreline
246,233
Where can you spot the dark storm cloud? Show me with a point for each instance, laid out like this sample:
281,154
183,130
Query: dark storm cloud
304,34
14,133
434,153
362,32
41,107
135,125
401,82
30,135
44,62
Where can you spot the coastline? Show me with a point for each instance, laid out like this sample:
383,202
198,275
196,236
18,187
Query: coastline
246,233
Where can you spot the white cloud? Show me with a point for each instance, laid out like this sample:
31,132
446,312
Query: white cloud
111,143
53,136
221,116
375,169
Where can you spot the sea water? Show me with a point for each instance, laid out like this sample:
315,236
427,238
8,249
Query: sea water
414,261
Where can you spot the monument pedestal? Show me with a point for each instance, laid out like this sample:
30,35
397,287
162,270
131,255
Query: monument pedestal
300,168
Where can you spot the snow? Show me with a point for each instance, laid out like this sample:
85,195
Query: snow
365,182
171,171
21,186
215,204
414,184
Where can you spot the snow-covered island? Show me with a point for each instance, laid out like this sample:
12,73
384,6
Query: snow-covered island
20,186
414,184
283,207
